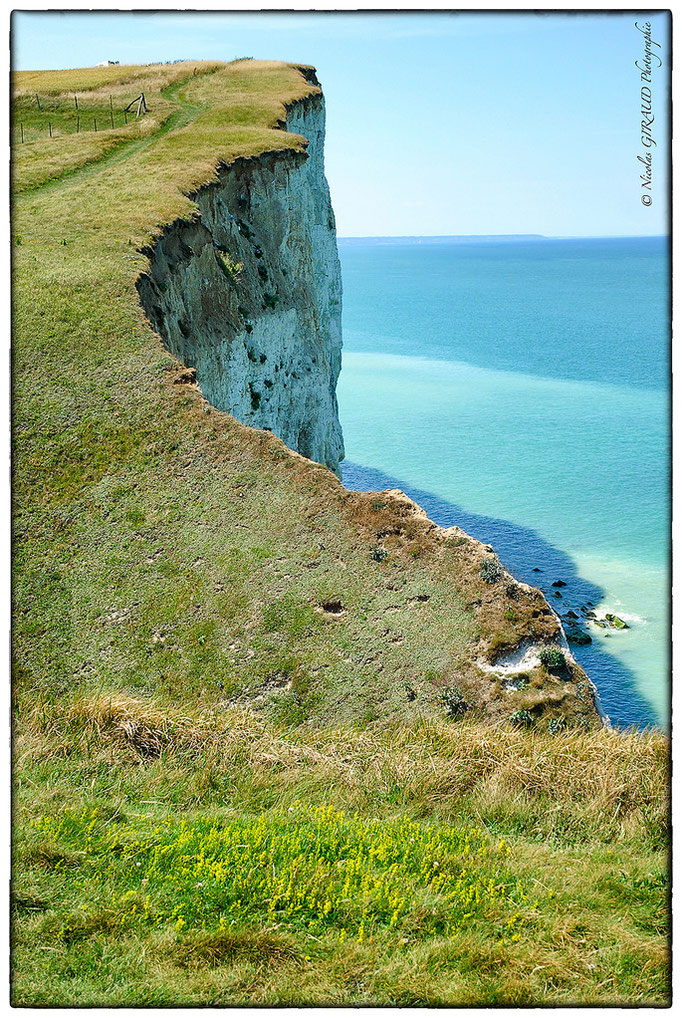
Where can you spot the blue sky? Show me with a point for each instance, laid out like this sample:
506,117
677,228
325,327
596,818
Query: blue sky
436,123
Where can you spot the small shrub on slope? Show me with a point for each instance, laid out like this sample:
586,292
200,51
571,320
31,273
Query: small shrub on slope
490,570
454,703
521,718
552,659
229,267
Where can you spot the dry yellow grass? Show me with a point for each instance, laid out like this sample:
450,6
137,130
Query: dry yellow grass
604,780
149,77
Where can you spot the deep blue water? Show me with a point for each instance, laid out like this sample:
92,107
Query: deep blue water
521,390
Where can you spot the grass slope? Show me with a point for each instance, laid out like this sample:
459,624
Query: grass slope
194,606
212,858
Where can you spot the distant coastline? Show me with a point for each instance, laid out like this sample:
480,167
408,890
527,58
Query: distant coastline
490,238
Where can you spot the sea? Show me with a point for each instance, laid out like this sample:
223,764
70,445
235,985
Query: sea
519,388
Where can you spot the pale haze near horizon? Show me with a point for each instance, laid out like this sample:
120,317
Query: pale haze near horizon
437,124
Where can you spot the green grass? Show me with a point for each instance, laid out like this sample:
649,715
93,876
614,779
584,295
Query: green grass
74,146
167,858
178,650
64,117
312,868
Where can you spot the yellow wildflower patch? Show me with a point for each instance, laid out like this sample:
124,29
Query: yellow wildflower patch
310,867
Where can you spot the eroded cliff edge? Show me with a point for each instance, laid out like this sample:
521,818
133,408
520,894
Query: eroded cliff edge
247,297
249,293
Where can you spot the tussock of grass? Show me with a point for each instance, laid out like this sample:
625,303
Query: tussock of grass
26,903
262,947
137,724
47,855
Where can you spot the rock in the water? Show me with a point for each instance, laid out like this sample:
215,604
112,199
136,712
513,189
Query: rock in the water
577,636
536,570
616,622
559,583
571,615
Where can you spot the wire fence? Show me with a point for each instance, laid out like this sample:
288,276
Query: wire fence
36,118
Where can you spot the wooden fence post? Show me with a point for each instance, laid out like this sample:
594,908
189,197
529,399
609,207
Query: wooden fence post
95,119
111,110
22,134
78,125
75,99
49,124
141,106
38,101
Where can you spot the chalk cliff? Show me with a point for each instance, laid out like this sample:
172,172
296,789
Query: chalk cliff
249,294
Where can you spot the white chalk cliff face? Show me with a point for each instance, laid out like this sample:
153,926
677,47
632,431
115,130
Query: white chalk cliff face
250,294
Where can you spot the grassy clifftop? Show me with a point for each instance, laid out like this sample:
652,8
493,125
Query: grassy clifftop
172,562
162,548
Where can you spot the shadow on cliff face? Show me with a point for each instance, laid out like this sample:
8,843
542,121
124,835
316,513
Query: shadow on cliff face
531,559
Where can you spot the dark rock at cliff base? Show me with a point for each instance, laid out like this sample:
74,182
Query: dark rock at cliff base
559,583
570,615
536,570
557,593
577,636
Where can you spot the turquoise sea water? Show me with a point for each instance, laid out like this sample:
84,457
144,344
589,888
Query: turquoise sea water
520,389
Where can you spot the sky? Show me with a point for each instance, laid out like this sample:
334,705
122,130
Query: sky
437,124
